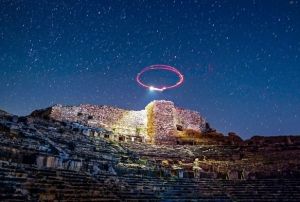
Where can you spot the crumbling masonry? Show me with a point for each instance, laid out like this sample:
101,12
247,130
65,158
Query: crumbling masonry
159,123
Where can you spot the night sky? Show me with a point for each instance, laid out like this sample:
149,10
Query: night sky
240,59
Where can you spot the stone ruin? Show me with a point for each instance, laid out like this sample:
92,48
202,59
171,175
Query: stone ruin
159,123
62,154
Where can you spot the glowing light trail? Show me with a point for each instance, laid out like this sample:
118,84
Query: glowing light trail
160,67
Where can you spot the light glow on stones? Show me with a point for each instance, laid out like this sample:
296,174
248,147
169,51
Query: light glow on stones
160,67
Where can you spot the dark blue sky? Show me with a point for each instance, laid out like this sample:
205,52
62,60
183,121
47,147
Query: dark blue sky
240,59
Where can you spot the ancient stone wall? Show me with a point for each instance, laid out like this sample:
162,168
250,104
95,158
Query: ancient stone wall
190,119
164,119
151,130
163,122
113,119
102,115
156,124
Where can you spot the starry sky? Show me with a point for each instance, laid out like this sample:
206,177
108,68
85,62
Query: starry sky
240,59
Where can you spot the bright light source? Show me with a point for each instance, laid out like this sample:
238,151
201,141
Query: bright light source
151,88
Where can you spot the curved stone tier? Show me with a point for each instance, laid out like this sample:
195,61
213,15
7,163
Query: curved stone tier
47,159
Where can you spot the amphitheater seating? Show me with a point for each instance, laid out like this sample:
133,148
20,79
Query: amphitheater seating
29,150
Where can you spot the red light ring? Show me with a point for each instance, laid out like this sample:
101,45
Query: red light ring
163,67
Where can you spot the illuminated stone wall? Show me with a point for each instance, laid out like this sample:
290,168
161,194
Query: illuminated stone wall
189,119
119,121
162,122
156,124
150,119
164,117
97,116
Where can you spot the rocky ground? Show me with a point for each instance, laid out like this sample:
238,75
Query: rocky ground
43,159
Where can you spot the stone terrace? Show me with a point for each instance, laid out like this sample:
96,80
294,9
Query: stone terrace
48,160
